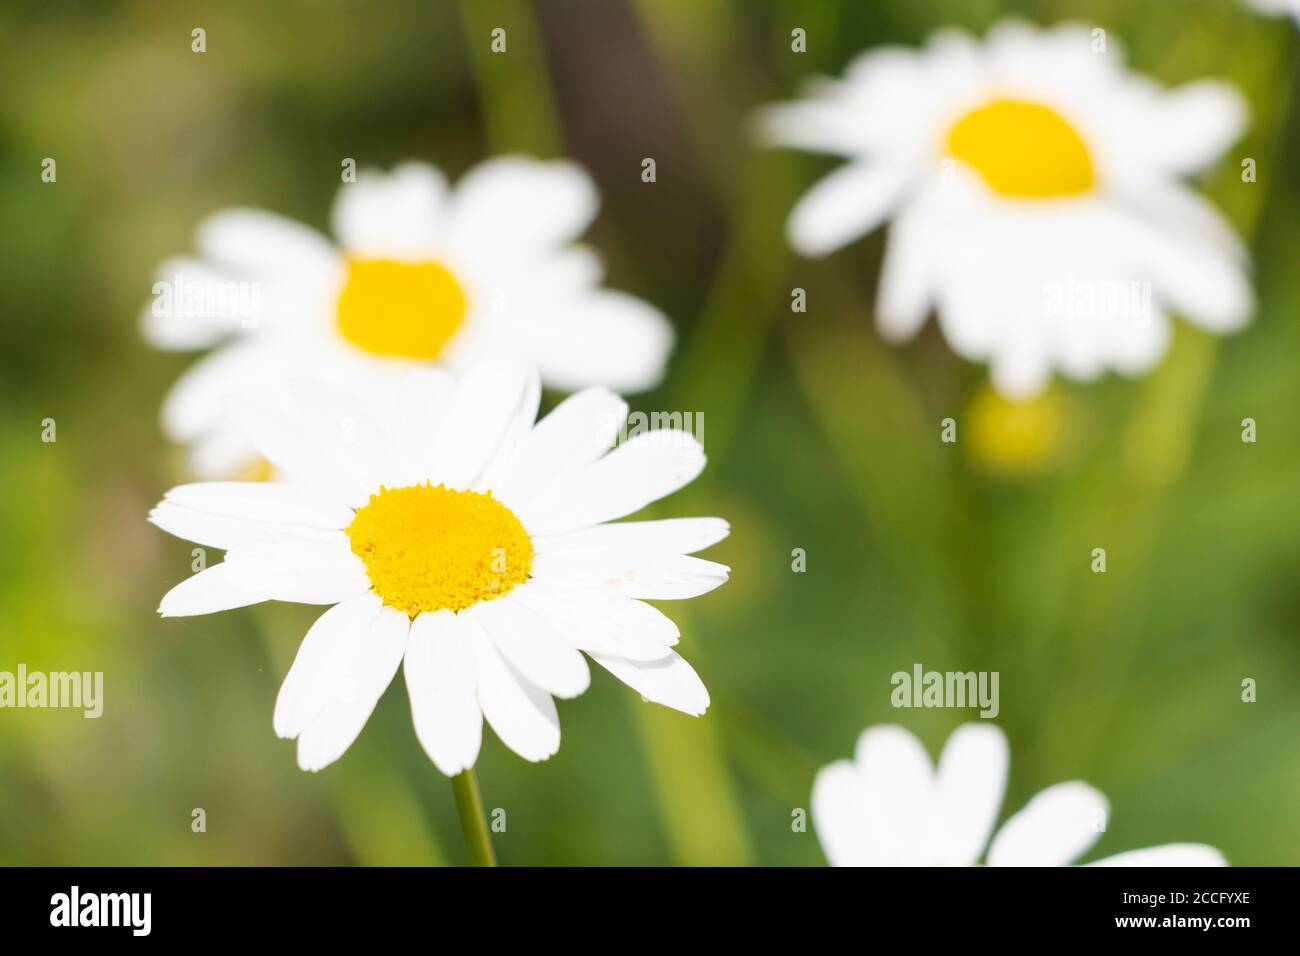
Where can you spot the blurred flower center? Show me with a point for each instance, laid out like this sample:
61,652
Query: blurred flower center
257,470
1015,437
1022,149
427,547
400,309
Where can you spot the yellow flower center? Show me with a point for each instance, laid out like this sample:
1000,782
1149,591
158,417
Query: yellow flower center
1022,149
257,470
400,309
427,547
1016,438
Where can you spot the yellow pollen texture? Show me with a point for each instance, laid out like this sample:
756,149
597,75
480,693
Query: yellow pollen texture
1023,150
400,309
427,547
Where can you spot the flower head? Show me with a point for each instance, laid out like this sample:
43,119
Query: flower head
422,274
1034,189
889,806
462,541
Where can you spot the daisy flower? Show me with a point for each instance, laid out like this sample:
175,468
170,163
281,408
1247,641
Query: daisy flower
1034,190
890,807
421,274
456,539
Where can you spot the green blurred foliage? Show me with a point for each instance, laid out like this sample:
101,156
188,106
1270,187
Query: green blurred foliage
820,437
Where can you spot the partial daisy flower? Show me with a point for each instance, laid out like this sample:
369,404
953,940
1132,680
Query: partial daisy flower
422,274
890,807
1034,188
1276,8
457,539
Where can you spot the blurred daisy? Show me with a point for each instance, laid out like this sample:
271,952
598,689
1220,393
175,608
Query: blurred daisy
456,538
889,807
421,274
1275,8
1034,188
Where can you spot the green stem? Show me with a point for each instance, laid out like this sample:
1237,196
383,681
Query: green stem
469,804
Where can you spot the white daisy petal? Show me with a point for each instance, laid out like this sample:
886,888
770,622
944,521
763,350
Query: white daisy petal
1182,211
655,577
514,204
281,441
398,215
321,662
340,423
259,501
522,714
644,469
1172,854
839,812
1195,124
1020,372
665,536
563,275
898,789
442,683
364,662
1192,275
185,312
516,431
488,400
818,127
302,570
529,643
220,455
603,336
1055,828
576,433
417,405
1142,344
846,205
598,622
969,787
223,531
669,681
887,88
880,107
906,282
217,588
193,408
263,244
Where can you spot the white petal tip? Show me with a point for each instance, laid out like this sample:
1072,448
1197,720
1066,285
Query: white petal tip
450,770
168,609
690,710
571,693
314,764
806,247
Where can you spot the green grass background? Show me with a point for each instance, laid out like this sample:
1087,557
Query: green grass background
820,437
